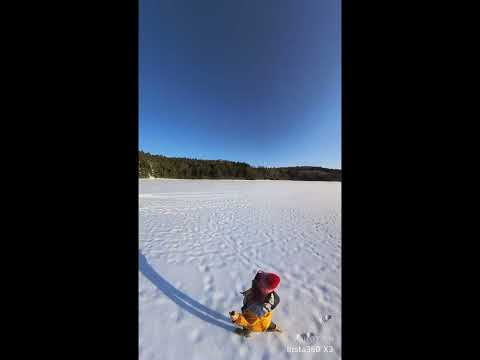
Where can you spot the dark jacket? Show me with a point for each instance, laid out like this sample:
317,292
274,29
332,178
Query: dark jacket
253,295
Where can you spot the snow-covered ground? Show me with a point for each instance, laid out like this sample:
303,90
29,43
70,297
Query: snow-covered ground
202,241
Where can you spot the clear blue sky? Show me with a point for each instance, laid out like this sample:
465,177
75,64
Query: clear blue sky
256,81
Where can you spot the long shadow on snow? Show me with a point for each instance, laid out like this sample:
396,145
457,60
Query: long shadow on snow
182,299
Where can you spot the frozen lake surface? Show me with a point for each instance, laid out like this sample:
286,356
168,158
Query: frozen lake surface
202,241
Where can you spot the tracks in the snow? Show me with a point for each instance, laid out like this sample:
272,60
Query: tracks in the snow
227,233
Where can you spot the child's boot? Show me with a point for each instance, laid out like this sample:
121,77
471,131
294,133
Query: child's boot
273,327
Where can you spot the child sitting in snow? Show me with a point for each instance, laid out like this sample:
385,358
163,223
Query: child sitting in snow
258,303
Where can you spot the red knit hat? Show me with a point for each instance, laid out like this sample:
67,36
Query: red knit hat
267,282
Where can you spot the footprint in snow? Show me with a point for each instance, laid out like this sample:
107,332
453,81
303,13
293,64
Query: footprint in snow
195,336
203,268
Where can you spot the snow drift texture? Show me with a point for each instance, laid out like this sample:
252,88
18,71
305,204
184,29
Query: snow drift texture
202,241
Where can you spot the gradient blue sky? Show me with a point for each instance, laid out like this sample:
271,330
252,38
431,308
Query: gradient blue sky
256,81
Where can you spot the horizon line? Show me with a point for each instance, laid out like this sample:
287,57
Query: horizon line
244,162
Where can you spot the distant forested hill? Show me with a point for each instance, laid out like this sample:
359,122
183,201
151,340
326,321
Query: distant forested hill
159,166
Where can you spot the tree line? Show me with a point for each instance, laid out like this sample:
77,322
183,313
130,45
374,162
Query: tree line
159,166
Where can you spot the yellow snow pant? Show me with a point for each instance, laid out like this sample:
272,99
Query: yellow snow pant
252,322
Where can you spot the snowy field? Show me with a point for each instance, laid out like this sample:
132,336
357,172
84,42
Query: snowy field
202,241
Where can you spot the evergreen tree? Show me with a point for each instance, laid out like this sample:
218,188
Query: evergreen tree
161,166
